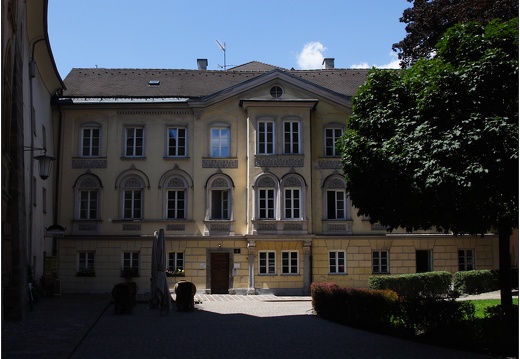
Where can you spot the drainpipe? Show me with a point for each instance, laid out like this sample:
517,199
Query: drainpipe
32,75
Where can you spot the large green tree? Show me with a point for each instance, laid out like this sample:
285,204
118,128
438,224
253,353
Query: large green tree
436,145
427,21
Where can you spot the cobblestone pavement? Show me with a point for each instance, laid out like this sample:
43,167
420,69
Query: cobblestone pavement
221,326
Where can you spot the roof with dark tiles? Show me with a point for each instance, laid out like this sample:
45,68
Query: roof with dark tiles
180,83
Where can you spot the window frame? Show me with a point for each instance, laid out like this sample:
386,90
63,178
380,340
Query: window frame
134,261
330,150
91,184
464,266
269,268
131,185
90,146
220,139
83,263
289,267
131,150
174,260
176,147
219,184
265,132
377,268
337,266
335,203
292,139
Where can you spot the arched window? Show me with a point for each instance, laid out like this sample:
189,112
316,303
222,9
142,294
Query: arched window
220,198
132,197
87,196
336,205
266,190
175,191
293,197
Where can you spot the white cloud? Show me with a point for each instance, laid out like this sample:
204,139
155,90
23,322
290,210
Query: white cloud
311,56
393,64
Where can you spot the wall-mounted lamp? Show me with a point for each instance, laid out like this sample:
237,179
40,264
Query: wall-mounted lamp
44,160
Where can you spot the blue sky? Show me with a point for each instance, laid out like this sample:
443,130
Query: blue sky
173,34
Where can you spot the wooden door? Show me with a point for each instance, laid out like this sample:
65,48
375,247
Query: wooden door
219,273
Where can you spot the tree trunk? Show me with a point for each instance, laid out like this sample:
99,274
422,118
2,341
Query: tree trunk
506,297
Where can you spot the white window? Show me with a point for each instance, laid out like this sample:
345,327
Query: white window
293,198
130,264
177,142
337,262
176,261
87,189
176,191
265,138
291,137
466,259
336,204
290,262
267,262
132,193
134,142
220,142
90,141
220,198
380,262
85,261
331,138
266,189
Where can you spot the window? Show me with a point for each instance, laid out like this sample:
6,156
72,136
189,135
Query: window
265,137
336,204
85,260
292,203
134,142
87,190
266,188
44,200
90,141
219,204
176,198
266,203
88,204
220,198
423,261
380,262
132,192
176,261
291,137
289,262
337,262
177,142
331,137
292,198
276,91
220,142
267,262
466,259
130,266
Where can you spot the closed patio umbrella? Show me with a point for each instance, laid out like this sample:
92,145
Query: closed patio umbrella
160,292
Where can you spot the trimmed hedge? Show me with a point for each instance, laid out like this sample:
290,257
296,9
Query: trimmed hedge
359,308
476,281
420,285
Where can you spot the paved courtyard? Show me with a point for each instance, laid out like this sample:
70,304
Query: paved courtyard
221,326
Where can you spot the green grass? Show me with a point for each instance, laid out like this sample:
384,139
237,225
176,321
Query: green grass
481,305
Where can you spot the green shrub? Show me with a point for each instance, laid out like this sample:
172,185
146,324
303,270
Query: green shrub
476,281
360,308
420,285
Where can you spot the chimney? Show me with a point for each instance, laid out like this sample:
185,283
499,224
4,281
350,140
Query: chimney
328,63
202,64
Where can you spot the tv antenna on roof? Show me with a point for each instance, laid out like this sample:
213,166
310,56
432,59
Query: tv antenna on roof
223,48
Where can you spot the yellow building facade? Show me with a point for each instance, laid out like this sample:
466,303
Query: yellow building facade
239,168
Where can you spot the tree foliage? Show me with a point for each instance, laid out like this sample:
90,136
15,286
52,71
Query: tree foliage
428,20
436,145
